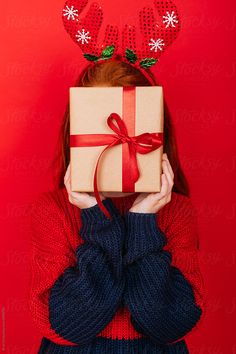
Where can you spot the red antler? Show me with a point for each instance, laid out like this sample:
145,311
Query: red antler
84,31
154,35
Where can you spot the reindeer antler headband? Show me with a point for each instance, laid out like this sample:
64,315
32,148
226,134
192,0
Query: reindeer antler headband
155,35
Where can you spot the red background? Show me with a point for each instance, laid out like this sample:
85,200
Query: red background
38,64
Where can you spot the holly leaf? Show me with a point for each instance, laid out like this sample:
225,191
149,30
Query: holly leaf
147,62
130,55
108,52
91,57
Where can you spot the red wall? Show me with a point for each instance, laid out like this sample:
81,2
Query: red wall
38,64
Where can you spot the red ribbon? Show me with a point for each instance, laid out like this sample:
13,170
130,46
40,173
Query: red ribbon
152,141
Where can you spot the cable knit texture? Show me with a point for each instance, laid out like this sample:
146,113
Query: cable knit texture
128,285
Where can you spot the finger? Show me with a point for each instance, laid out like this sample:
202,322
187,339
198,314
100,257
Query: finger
164,189
141,196
102,197
164,186
67,179
170,168
164,155
165,158
67,173
168,175
76,195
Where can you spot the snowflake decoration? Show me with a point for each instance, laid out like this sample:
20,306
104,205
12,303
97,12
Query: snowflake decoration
156,44
70,12
82,36
169,19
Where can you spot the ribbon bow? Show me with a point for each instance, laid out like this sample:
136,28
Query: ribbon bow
152,141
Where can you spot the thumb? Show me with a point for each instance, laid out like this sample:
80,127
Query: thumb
100,195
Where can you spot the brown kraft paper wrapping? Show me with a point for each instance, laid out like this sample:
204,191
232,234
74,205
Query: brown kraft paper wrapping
89,109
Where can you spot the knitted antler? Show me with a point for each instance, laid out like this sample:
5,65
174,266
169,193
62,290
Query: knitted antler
156,35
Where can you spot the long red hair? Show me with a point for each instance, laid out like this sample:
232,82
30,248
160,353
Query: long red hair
118,73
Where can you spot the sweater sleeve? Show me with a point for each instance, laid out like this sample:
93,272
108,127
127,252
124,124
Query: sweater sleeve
72,304
161,296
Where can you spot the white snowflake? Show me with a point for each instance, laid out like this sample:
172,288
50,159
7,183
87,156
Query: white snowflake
156,44
169,19
82,36
70,12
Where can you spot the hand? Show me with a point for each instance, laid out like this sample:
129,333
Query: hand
153,202
80,199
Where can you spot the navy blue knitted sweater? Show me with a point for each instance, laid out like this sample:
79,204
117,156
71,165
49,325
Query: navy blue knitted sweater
119,264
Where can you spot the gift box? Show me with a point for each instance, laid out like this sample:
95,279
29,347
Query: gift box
116,138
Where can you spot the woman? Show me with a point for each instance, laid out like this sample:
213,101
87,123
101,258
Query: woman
130,285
